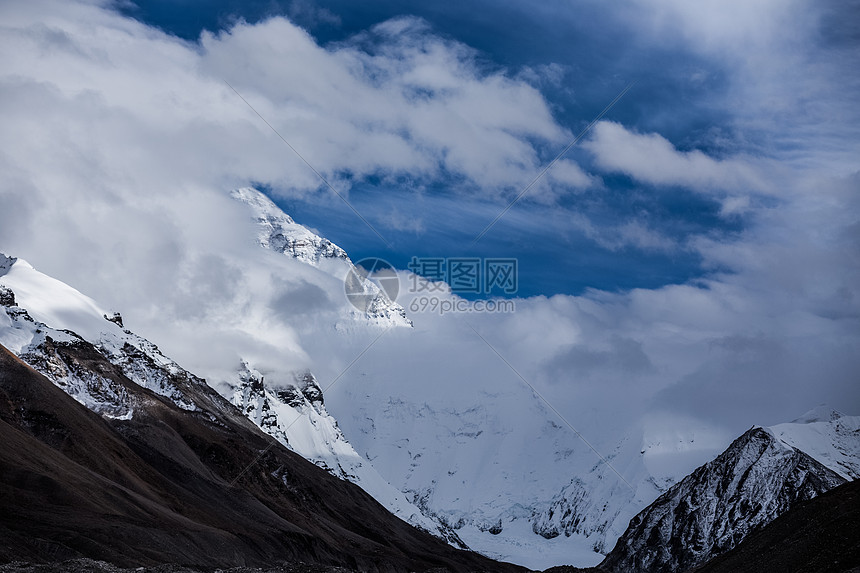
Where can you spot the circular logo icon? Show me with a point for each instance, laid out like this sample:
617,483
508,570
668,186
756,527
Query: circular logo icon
367,279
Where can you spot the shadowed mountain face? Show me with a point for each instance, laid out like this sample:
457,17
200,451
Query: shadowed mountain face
820,535
170,486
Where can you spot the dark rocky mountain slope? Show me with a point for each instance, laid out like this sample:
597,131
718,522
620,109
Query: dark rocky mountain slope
821,535
201,488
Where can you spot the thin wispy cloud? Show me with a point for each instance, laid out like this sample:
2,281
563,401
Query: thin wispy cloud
651,158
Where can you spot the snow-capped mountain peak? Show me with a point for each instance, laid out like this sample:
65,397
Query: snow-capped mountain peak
821,413
53,302
278,232
827,435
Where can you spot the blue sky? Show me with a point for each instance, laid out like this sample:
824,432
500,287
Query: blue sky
579,57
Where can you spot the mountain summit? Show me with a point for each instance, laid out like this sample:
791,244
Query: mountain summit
278,232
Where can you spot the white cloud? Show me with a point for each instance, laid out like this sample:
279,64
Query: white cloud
735,205
397,100
120,141
788,69
631,233
651,158
737,27
409,103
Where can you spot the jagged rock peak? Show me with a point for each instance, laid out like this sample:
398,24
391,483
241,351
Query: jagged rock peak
6,263
7,296
250,378
115,318
280,233
309,387
298,391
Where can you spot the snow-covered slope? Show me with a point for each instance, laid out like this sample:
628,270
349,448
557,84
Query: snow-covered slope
293,411
827,435
52,302
43,314
596,505
473,447
758,478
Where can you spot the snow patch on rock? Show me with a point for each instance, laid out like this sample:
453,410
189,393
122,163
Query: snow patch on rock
293,411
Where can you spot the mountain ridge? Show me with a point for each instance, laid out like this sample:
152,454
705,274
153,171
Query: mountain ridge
756,479
211,478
